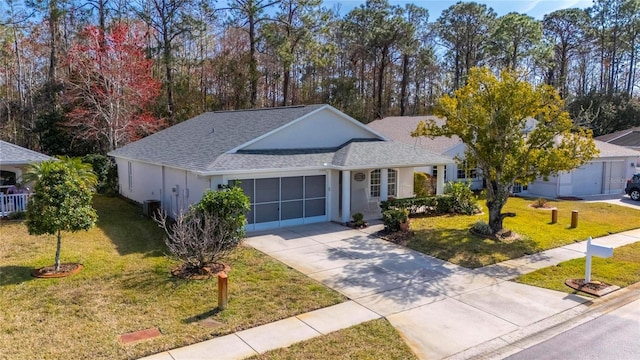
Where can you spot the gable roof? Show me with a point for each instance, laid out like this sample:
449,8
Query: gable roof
11,154
629,138
194,144
610,138
217,142
399,128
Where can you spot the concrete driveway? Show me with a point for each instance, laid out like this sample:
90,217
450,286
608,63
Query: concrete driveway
439,308
619,199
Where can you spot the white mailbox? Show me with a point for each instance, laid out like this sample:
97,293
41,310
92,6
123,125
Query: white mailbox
595,250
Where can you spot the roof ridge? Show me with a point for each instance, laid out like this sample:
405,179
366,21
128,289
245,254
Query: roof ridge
265,108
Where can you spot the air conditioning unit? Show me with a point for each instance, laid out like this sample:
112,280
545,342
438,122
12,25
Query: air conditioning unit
150,208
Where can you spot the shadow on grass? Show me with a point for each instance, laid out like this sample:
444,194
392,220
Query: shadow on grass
468,250
14,275
127,228
200,317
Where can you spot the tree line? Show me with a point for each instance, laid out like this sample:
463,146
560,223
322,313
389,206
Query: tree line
88,76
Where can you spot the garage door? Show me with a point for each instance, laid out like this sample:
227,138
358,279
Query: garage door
587,179
284,201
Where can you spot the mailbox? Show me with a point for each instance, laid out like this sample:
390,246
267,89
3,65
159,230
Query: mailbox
599,250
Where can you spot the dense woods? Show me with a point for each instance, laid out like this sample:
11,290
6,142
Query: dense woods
86,76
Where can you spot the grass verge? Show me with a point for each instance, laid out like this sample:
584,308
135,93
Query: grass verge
448,237
372,340
126,286
622,269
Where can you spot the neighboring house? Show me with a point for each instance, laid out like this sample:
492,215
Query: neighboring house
13,162
606,174
399,128
629,138
298,164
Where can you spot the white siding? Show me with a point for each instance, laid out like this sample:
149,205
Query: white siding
324,129
146,180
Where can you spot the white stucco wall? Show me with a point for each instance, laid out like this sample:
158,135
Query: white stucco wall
323,129
146,180
405,182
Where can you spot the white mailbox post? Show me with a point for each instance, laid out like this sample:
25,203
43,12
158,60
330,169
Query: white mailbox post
595,250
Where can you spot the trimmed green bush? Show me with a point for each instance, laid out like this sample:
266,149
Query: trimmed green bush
421,184
464,200
393,218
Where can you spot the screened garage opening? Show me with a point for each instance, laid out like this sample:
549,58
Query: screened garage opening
284,201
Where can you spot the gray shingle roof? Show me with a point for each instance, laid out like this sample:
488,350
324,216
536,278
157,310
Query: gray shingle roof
11,154
610,150
203,144
399,128
196,143
353,155
386,154
615,135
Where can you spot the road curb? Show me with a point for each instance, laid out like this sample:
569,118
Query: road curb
523,338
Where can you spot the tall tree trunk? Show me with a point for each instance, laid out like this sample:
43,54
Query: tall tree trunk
404,84
253,62
380,88
286,69
167,59
59,245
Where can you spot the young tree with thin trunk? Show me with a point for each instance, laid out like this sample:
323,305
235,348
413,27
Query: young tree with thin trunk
513,131
62,199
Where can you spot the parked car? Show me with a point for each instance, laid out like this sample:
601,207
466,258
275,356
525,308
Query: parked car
633,187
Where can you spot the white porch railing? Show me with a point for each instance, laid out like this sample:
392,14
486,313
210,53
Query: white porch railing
10,203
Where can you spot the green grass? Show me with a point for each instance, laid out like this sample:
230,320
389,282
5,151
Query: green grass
622,269
448,237
372,340
126,286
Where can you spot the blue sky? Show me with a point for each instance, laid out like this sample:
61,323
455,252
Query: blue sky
534,8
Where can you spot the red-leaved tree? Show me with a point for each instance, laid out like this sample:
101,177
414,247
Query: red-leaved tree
110,87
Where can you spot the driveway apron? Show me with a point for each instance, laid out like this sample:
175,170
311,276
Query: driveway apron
439,308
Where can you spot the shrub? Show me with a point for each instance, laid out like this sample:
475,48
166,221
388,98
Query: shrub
393,218
422,184
106,171
17,215
209,230
482,228
540,203
358,219
464,200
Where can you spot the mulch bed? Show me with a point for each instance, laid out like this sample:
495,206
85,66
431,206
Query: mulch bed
184,271
50,271
596,288
397,237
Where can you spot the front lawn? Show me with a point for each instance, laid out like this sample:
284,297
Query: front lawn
447,237
622,269
374,340
126,286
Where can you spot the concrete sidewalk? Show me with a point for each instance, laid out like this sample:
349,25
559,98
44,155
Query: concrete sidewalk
443,310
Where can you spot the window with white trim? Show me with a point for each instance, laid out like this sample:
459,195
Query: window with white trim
465,171
375,183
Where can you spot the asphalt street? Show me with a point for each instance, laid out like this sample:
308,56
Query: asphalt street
615,335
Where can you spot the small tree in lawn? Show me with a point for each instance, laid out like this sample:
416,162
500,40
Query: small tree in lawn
62,198
515,132
208,231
